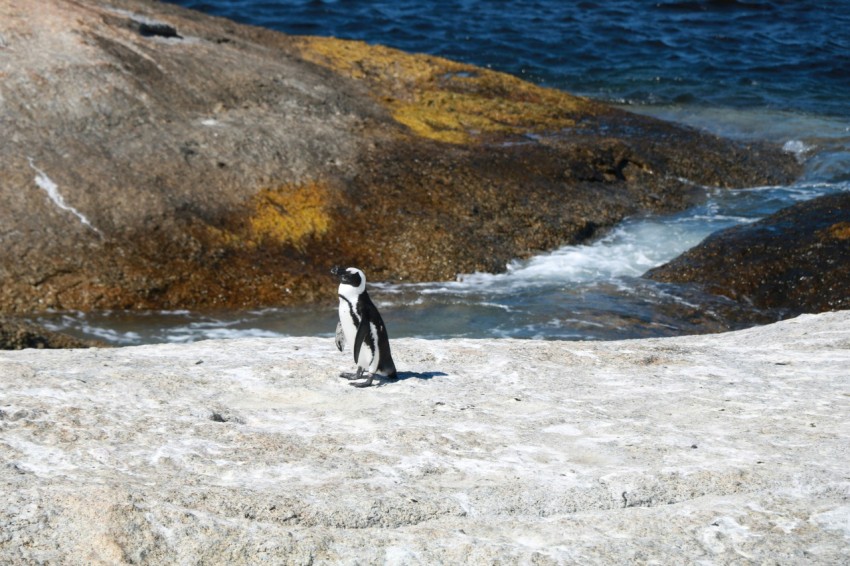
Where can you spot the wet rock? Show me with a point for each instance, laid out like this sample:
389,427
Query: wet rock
796,260
155,157
17,335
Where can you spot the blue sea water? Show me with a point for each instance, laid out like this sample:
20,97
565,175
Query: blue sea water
778,55
747,69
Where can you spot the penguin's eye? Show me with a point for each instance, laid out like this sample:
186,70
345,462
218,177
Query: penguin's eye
353,279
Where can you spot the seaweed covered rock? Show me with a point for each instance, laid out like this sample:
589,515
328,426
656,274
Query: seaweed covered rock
156,157
796,260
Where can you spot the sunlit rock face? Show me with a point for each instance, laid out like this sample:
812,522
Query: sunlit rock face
154,157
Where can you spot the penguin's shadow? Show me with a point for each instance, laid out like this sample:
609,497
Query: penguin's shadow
402,375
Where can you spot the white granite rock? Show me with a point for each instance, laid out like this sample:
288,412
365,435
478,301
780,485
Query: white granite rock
717,449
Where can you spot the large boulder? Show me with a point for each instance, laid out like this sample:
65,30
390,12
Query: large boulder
155,157
796,260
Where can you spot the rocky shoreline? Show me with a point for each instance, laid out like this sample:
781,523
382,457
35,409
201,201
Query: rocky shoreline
174,187
794,261
159,158
719,449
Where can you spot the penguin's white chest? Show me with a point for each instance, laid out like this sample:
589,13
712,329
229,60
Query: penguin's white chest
367,358
349,327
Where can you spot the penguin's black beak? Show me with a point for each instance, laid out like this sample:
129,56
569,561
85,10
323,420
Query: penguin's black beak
337,270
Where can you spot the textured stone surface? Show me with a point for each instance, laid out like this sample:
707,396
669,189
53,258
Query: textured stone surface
721,449
155,157
796,260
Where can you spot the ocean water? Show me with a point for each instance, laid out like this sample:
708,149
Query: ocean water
775,55
755,69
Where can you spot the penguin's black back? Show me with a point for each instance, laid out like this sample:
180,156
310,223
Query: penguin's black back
368,312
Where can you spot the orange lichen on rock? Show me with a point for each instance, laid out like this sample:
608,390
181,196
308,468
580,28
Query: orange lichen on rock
445,100
839,231
290,214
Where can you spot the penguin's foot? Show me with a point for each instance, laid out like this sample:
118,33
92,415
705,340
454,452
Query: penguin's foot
366,383
351,376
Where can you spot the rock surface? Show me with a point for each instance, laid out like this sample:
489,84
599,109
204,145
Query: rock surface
796,260
721,449
155,157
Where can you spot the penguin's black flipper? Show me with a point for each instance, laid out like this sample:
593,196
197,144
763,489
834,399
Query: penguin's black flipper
362,331
339,340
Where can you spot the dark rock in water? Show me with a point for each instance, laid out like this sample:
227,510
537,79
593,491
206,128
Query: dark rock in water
18,335
797,259
155,157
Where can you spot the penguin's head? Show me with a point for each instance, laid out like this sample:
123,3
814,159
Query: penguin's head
350,277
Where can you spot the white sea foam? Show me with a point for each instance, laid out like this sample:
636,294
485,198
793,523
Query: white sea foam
797,147
627,251
638,245
190,334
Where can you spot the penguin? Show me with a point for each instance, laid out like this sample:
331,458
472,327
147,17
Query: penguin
360,324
